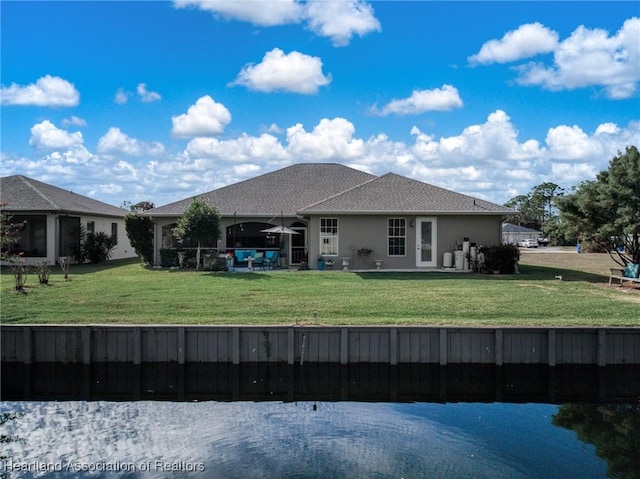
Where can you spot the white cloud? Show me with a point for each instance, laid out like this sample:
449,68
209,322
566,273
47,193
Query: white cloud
204,118
337,20
590,57
340,20
572,174
121,97
329,140
273,128
75,121
115,142
146,95
293,72
496,138
46,91
420,101
526,41
571,143
46,136
243,149
488,159
280,12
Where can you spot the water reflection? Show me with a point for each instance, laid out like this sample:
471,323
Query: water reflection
297,423
613,428
320,382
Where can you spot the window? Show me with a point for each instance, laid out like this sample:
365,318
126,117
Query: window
329,236
31,238
91,227
397,237
114,231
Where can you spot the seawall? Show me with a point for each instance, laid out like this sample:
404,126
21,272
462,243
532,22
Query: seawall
393,345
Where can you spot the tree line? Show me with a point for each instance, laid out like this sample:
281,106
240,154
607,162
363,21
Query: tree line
604,212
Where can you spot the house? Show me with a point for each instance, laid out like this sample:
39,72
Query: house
513,234
51,215
352,219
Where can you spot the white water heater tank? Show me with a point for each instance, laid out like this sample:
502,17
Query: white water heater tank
459,257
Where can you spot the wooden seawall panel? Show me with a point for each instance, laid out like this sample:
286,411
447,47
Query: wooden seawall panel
316,344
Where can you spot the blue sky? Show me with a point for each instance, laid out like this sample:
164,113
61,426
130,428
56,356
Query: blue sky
158,101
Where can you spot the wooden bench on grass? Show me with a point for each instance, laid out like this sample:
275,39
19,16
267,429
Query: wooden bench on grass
618,273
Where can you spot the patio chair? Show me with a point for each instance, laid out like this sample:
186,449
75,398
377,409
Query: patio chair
259,260
271,259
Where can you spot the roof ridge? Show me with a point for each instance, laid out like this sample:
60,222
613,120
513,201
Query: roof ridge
26,180
476,201
342,192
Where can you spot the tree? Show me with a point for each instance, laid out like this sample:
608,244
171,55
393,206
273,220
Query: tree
538,209
140,233
138,207
607,210
199,222
544,197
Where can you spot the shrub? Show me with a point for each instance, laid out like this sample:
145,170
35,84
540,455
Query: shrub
168,257
42,267
503,258
20,271
140,232
77,236
98,247
592,247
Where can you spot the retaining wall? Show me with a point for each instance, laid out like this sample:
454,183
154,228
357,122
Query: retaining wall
319,344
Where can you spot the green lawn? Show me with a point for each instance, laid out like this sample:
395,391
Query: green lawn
126,292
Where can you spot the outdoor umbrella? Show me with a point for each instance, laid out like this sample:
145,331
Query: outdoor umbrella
280,230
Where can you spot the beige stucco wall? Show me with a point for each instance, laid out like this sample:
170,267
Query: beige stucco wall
368,231
122,250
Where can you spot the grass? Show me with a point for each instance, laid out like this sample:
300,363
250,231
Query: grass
125,292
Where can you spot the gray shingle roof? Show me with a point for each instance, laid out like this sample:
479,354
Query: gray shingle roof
24,194
511,228
392,193
286,190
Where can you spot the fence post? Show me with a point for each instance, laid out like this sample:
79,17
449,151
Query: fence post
551,335
443,347
499,347
602,347
344,346
393,346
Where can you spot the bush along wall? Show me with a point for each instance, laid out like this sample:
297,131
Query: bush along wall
503,258
168,257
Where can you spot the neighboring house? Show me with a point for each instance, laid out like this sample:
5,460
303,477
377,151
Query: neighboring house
50,215
513,234
345,215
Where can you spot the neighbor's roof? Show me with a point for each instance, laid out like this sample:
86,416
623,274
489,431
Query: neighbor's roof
286,190
392,193
23,194
511,228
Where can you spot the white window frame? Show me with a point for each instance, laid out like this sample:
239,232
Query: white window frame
329,239
395,225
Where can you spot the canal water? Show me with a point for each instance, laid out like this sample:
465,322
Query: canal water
319,421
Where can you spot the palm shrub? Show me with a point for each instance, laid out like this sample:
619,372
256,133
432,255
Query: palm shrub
98,247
